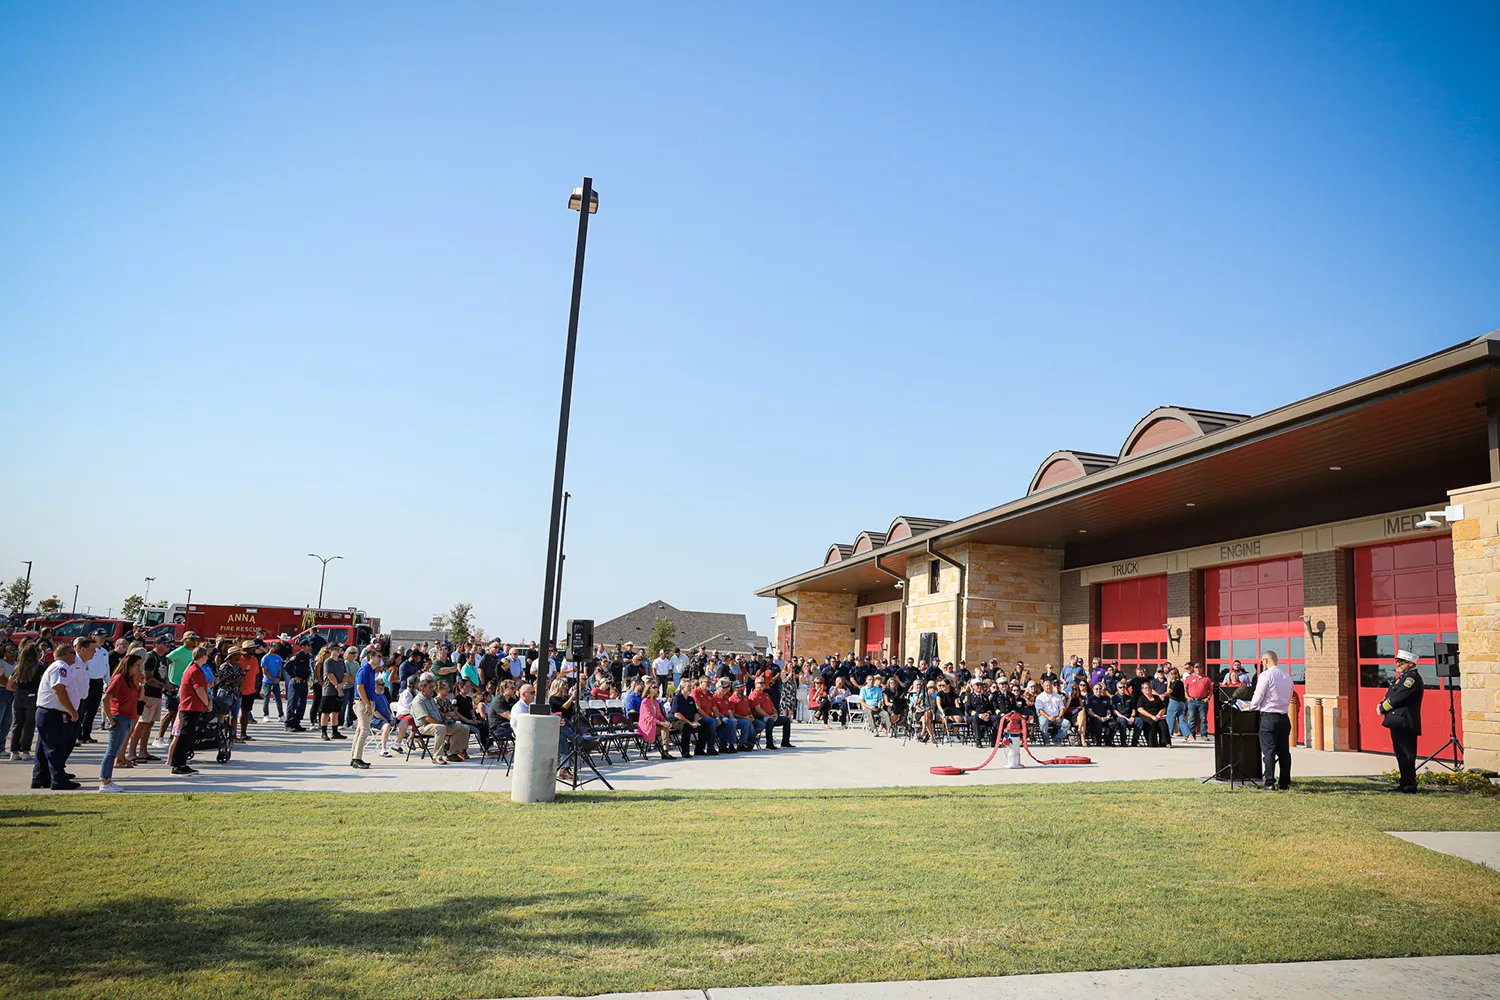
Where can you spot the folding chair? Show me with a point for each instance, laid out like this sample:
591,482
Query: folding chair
418,739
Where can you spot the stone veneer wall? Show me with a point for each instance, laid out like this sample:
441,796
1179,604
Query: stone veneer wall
1476,568
1012,584
826,623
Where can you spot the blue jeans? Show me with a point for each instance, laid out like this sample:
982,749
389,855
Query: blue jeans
1054,732
1177,718
1197,715
744,732
271,687
119,732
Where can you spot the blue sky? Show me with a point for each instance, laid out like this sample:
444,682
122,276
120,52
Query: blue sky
279,278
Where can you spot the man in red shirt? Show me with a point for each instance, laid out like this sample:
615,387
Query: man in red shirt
729,741
1198,689
747,727
710,734
193,702
766,716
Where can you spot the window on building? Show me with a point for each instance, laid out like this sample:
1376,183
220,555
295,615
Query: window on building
934,579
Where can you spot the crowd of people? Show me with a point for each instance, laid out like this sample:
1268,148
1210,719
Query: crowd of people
451,699
169,696
1097,704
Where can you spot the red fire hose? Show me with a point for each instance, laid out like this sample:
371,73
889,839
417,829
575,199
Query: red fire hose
1010,725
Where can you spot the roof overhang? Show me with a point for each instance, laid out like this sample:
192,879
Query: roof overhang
1398,438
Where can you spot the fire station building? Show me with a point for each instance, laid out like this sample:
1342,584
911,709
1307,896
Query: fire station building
1215,537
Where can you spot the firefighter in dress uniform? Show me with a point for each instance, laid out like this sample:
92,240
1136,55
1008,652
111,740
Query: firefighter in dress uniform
1402,709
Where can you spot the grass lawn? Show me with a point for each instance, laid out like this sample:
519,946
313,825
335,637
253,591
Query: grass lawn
459,895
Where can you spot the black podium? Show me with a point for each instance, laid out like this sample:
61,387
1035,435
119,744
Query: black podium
1236,741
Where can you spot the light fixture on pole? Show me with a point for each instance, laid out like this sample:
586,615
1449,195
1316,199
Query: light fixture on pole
585,195
27,599
190,595
75,599
535,773
324,575
149,581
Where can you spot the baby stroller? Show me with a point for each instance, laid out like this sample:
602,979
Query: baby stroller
216,728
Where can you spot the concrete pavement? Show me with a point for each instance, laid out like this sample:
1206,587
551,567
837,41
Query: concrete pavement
1482,847
825,758
1456,977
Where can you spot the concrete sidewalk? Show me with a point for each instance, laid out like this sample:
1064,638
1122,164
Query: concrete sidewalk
824,758
1458,977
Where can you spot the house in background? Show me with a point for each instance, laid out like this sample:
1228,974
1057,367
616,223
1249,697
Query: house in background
718,632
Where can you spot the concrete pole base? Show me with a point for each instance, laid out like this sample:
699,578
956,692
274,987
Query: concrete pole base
534,777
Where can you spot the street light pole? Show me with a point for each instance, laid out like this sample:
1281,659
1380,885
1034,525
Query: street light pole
324,575
149,581
562,559
28,586
75,599
586,201
190,595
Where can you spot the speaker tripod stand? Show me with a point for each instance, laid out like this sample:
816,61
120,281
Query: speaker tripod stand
1458,748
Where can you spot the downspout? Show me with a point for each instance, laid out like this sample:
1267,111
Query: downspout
901,583
791,631
958,600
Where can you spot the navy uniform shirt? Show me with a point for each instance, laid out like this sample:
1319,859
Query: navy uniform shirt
683,705
1403,702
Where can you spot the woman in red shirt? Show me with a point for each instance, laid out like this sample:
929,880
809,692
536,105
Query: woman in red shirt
122,703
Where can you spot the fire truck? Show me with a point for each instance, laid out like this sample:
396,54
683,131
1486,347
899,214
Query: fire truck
347,626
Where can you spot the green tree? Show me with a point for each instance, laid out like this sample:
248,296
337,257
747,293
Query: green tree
132,607
17,596
663,637
460,622
47,605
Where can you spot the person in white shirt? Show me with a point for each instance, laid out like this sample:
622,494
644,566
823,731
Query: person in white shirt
662,666
57,701
1273,700
93,657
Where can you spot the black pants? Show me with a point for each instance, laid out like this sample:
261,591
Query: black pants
54,739
786,730
1276,746
1404,743
685,734
296,702
89,710
186,735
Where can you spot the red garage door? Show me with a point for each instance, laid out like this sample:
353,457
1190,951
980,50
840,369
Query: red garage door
1131,615
1252,610
1403,599
874,635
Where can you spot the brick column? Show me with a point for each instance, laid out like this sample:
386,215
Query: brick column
1476,567
1076,602
1330,683
1185,611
